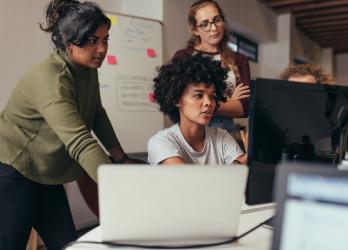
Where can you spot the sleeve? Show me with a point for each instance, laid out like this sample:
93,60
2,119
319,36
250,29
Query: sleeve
102,126
160,148
244,71
59,109
230,147
182,53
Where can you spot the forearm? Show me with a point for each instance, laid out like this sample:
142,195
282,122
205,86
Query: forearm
243,159
119,156
231,109
173,161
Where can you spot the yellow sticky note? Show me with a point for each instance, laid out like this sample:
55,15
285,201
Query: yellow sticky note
113,19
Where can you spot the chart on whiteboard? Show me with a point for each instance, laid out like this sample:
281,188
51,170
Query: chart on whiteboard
126,80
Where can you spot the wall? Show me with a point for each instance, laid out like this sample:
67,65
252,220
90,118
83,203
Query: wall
341,72
22,42
275,56
327,60
304,48
152,9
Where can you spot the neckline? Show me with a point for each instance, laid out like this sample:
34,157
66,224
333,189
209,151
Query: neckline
188,145
207,52
76,70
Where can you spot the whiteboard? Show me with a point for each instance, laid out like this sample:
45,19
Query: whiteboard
126,80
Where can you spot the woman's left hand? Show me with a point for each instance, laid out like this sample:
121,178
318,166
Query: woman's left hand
240,92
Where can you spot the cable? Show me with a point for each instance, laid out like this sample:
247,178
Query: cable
115,244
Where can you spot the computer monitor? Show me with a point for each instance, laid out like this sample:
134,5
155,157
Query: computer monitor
292,122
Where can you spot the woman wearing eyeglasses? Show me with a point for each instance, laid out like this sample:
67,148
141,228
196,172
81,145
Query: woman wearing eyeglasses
210,37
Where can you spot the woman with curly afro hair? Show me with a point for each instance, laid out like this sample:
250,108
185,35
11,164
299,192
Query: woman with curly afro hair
189,91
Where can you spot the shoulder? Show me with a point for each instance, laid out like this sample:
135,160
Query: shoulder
241,59
48,81
218,133
49,70
183,53
165,136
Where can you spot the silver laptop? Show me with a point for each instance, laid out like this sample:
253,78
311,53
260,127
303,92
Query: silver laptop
312,207
145,203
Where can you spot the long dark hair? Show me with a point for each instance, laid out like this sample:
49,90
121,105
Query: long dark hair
227,54
72,22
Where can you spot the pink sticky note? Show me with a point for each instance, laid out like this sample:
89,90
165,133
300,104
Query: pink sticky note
151,53
111,59
151,97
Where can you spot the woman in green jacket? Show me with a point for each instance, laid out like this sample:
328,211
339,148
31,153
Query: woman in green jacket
45,128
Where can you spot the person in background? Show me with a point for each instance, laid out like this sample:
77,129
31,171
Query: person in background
189,90
45,128
306,73
210,36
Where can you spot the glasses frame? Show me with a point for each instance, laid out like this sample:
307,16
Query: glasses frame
218,23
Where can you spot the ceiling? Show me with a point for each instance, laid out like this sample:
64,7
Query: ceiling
324,21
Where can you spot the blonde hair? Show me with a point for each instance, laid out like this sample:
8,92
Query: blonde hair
316,71
228,56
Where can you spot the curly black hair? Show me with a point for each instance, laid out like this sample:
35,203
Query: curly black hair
173,78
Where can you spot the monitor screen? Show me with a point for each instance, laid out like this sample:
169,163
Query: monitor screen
293,122
312,208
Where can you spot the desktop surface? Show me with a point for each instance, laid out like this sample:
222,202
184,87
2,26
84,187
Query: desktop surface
260,239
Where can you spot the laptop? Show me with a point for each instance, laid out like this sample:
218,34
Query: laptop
190,203
312,207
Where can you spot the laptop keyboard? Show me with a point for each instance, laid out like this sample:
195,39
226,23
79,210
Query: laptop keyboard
258,207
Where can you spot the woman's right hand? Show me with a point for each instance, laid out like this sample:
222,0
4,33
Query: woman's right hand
240,92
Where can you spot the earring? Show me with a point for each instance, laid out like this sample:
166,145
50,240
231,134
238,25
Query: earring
68,51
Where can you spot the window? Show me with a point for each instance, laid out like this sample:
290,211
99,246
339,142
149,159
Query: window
243,45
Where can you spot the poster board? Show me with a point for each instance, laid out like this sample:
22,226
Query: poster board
126,80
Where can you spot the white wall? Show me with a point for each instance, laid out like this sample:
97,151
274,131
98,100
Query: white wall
327,60
341,72
22,42
152,9
303,47
275,56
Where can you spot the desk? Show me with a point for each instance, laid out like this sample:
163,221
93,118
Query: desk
260,239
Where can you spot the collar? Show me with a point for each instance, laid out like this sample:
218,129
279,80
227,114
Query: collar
75,69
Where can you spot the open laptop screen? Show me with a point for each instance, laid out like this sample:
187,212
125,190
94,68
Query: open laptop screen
142,203
313,208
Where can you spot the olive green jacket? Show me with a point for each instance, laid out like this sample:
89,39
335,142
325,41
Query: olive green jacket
45,128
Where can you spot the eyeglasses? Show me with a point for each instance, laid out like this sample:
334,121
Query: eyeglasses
218,21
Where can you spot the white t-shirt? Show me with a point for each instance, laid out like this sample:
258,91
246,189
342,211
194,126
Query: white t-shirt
219,147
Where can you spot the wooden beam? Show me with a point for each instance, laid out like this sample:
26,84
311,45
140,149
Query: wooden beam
323,18
339,39
325,24
281,3
326,31
328,34
310,6
323,29
321,12
330,38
